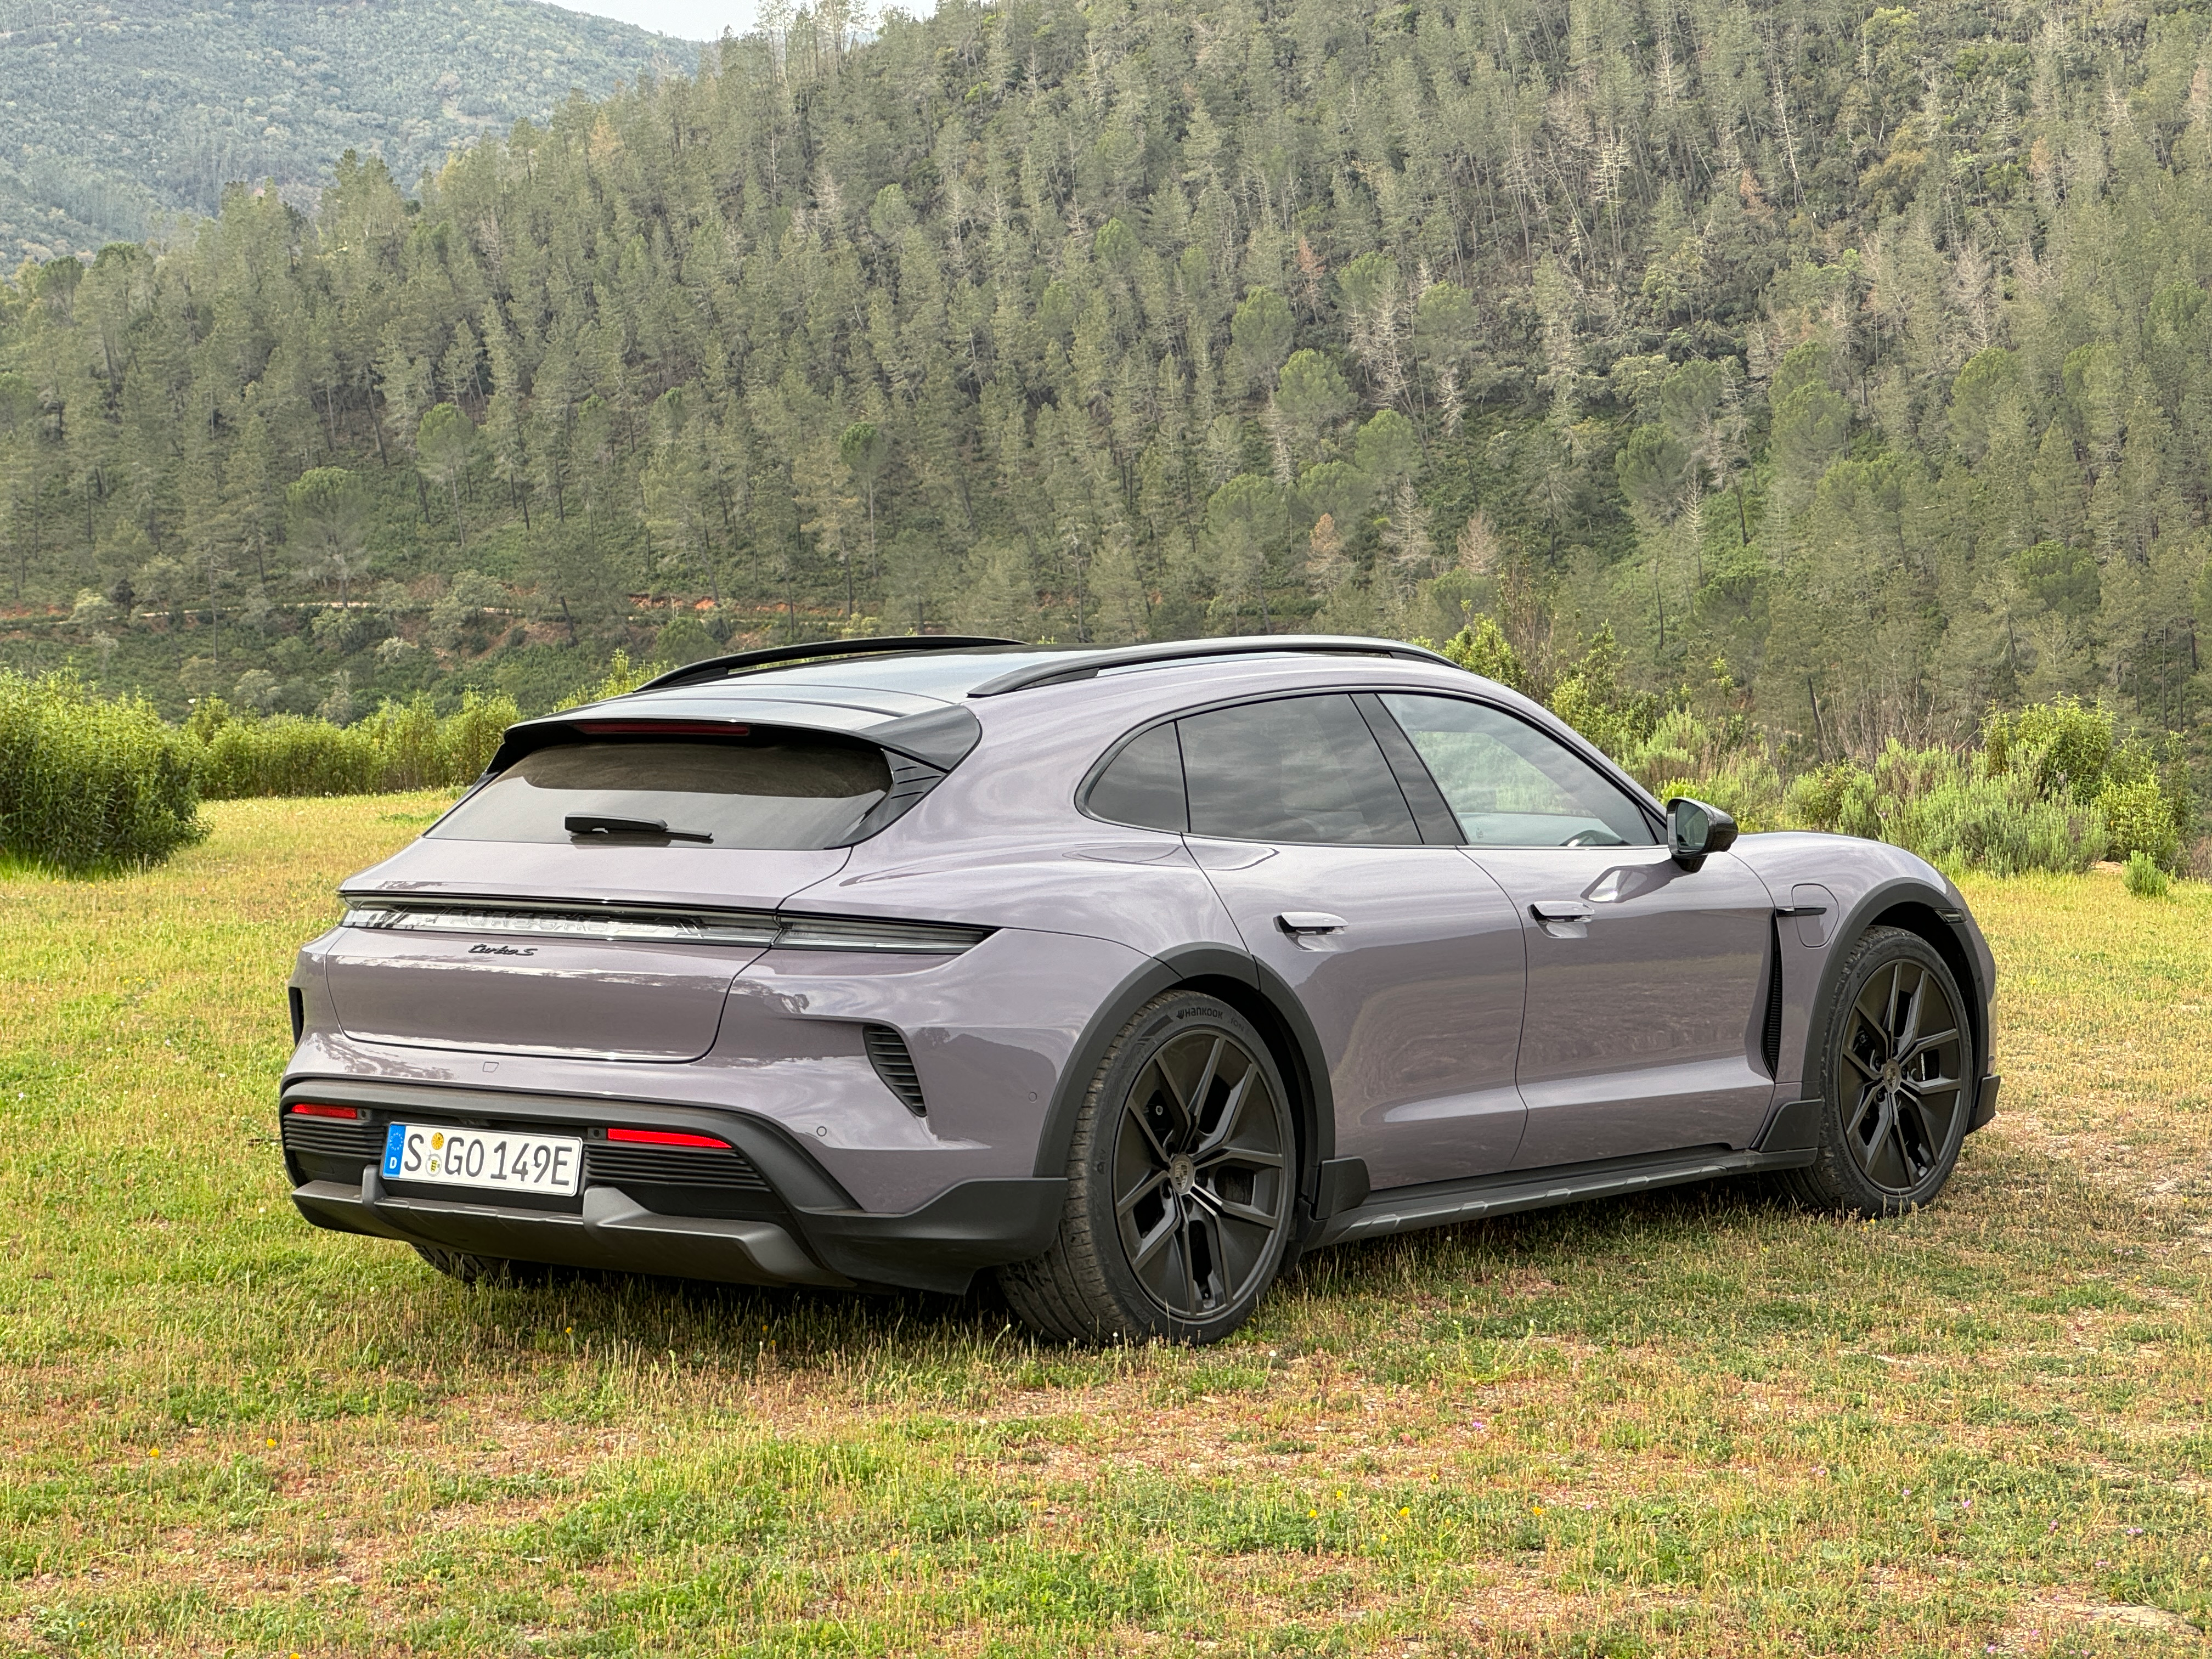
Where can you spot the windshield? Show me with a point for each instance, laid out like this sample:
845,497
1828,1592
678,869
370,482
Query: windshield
785,791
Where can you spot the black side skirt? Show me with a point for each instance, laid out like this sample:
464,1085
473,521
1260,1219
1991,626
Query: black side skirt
1440,1204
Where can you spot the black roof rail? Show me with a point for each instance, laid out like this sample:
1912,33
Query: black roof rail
1093,663
713,668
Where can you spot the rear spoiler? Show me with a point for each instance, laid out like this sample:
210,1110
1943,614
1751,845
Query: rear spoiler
938,740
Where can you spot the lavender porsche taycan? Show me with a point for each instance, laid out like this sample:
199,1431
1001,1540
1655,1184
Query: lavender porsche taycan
1127,975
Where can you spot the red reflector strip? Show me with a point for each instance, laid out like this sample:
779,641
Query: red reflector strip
662,728
667,1138
301,1109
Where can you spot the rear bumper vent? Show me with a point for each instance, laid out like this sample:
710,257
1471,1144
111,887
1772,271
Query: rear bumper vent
887,1053
728,1171
357,1143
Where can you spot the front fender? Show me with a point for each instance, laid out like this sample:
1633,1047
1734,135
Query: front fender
1874,884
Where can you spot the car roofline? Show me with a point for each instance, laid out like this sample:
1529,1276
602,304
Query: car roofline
1160,652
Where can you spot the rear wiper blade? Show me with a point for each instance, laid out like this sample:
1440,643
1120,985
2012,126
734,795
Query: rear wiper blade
592,824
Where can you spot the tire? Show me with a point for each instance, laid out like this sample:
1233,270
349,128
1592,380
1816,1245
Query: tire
482,1269
1179,1216
1889,1139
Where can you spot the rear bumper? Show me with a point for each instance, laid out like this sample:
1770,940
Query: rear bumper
798,1227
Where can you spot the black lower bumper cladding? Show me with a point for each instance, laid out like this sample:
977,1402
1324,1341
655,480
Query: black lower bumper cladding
767,1214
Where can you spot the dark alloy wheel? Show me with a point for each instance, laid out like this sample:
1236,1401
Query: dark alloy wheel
1180,1181
1896,1073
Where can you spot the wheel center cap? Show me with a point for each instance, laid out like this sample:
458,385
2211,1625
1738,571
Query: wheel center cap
1182,1174
1889,1073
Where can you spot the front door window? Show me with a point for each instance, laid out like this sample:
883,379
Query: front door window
1512,785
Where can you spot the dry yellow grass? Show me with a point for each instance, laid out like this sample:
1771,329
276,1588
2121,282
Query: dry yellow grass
1696,1423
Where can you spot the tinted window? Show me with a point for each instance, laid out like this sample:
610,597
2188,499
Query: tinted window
1300,769
792,791
1143,784
1510,785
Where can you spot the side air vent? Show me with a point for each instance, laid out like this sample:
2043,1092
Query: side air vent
1770,1039
887,1053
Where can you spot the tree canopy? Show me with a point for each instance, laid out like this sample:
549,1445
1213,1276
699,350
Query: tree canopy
1859,349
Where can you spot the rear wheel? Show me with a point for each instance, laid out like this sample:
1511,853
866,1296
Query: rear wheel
1180,1178
1896,1071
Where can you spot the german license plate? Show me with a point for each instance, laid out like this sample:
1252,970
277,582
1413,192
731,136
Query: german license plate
493,1160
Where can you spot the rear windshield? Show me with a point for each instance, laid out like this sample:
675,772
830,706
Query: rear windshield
786,790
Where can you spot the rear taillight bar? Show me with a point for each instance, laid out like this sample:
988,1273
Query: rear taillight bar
650,925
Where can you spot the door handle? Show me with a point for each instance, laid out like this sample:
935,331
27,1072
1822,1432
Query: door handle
1562,910
1306,923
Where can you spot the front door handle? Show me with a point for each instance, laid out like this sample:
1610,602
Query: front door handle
1300,924
1562,910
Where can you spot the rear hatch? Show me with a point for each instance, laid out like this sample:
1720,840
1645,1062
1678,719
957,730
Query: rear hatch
597,897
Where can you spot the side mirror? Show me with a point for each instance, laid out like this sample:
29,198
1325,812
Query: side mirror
1695,831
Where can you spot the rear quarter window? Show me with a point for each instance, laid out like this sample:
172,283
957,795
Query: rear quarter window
767,790
1143,784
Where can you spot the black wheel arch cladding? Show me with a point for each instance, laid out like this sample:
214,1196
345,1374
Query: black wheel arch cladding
1915,907
1253,991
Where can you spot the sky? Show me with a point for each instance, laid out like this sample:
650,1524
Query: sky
688,20
694,19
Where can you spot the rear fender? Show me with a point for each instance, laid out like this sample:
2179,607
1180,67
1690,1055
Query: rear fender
1253,991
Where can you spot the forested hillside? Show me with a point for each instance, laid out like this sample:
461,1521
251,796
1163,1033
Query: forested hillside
116,115
1851,363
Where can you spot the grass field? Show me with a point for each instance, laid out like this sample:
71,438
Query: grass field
1694,1423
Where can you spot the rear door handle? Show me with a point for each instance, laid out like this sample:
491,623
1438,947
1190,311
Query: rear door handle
1299,923
1562,910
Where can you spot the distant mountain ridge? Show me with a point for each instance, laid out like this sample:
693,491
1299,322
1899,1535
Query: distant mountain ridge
115,115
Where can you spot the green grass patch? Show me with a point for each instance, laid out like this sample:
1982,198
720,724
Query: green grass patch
1690,1423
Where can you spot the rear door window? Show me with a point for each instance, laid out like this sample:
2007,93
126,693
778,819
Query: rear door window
1294,770
768,790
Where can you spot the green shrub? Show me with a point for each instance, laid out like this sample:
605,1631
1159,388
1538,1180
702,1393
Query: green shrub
1838,798
1951,813
1846,798
472,737
89,782
2061,747
1996,825
622,677
1482,647
1748,789
400,746
405,736
1686,755
2141,820
1592,699
289,754
2144,877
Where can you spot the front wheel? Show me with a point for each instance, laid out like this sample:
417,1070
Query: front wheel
1181,1180
1896,1074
